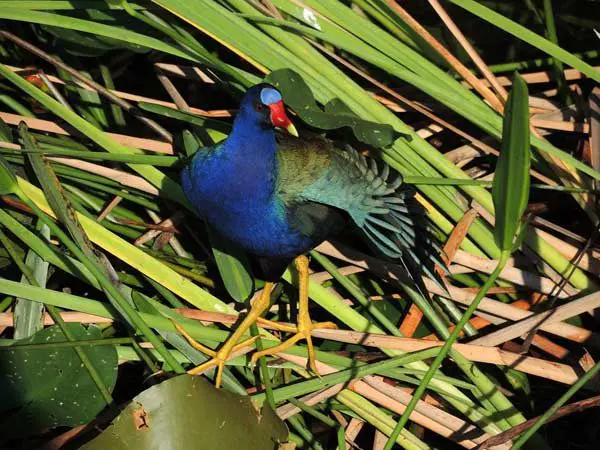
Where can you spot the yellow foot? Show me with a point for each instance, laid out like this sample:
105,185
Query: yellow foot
218,357
305,326
266,323
233,344
303,331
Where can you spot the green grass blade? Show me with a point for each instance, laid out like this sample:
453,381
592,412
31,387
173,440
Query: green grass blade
559,74
89,99
234,267
180,343
102,309
65,5
88,26
135,257
44,250
528,36
357,322
8,182
510,194
55,195
54,313
82,247
168,186
28,314
151,160
510,190
589,375
116,111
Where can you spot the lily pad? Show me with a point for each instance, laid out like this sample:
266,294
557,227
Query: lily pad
188,412
336,114
50,387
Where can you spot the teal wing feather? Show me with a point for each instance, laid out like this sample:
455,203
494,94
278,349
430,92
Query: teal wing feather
316,172
300,163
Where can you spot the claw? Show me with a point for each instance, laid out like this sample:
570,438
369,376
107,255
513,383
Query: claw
305,326
219,359
232,345
303,331
197,345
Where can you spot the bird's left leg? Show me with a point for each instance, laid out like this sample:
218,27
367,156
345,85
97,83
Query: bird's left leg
305,326
232,344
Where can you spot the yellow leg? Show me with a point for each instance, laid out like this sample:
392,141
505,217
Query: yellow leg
305,326
231,345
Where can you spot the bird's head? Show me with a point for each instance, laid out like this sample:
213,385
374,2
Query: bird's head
263,104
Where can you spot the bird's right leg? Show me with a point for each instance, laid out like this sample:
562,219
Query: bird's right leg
305,325
232,344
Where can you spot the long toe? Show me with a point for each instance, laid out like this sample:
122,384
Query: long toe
303,332
219,358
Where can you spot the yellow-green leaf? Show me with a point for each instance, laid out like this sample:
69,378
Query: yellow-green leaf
510,190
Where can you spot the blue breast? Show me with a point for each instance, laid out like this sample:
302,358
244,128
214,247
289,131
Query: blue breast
233,187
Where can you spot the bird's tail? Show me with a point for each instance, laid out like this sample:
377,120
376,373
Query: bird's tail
395,222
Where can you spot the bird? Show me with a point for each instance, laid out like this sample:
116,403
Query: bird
277,196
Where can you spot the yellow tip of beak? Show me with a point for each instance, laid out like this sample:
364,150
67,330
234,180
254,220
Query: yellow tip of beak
292,130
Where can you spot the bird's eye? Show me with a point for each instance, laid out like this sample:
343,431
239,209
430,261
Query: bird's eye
258,106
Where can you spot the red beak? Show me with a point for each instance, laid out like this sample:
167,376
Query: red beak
280,119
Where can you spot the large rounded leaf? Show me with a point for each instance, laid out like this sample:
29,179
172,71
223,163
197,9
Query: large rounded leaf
50,387
297,95
187,413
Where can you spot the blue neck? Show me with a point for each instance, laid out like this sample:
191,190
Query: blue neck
251,140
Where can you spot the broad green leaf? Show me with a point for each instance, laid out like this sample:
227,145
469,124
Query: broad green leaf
47,388
188,412
297,95
28,314
233,266
510,190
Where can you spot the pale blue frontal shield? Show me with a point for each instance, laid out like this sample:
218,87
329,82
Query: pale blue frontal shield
269,96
